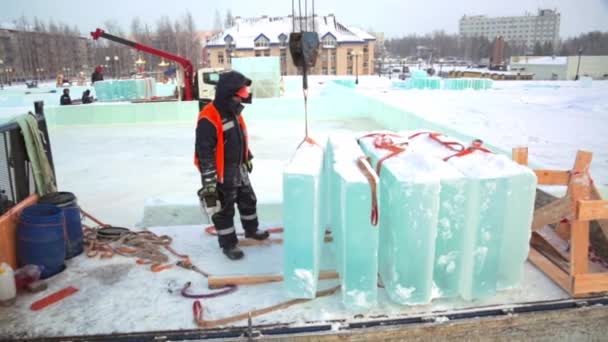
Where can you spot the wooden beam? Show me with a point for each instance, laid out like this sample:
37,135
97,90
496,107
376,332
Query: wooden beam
592,210
215,282
552,213
579,247
520,155
549,251
582,161
551,177
556,274
585,284
579,188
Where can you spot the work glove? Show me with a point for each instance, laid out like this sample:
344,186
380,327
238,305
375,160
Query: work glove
249,166
208,193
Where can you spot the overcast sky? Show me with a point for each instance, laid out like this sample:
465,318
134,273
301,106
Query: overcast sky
393,17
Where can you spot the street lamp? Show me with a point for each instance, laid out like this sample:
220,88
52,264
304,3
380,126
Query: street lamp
116,71
356,53
140,64
580,52
1,71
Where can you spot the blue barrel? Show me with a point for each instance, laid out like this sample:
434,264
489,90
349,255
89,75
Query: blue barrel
66,201
41,239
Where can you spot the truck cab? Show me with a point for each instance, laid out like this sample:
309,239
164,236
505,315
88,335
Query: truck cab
207,79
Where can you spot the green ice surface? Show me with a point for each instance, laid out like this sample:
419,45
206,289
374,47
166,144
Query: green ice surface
519,211
451,235
303,234
358,242
409,206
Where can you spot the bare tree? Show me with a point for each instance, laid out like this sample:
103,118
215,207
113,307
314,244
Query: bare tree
217,23
229,22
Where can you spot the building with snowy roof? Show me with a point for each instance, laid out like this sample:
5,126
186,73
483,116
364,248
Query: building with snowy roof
344,50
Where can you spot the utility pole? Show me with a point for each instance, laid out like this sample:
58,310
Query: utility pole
580,52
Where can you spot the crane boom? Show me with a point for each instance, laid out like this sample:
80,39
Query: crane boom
185,63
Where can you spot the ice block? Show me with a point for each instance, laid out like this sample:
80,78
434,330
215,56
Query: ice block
358,242
409,204
303,232
500,196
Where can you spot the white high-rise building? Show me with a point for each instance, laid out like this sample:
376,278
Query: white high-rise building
521,30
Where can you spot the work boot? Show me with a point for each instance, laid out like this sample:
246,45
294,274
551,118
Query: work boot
257,235
233,253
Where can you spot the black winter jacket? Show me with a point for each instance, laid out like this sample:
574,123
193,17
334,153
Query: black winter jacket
234,139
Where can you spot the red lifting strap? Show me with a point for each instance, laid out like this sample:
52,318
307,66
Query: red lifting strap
384,141
310,141
475,146
366,169
435,136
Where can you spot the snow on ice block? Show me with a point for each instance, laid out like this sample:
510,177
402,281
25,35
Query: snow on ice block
409,204
303,234
500,195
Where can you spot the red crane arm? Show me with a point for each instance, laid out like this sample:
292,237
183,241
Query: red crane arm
185,63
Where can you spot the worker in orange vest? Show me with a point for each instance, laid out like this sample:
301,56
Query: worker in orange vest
223,157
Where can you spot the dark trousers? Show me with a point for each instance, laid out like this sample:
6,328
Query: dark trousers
245,200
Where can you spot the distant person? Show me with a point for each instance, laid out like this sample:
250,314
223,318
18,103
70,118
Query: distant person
97,74
65,98
86,97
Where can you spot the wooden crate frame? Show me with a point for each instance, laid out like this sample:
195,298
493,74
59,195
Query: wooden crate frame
572,213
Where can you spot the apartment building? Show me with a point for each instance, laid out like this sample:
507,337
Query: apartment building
344,50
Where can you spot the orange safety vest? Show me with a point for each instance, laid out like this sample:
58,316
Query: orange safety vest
210,113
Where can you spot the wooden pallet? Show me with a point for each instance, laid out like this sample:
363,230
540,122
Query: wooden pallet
568,266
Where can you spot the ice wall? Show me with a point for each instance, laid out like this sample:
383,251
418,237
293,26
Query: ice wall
124,90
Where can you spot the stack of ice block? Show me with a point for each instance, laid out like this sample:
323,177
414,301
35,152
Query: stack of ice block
409,206
303,231
125,90
349,200
467,83
500,203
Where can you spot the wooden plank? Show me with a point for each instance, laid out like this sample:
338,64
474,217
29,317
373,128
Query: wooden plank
561,246
579,188
592,210
579,247
215,282
520,155
556,274
551,177
552,213
590,283
549,251
582,161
